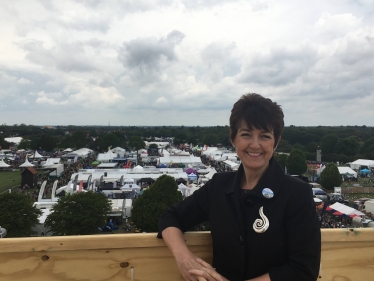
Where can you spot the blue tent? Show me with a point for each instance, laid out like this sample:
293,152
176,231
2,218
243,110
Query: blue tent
364,171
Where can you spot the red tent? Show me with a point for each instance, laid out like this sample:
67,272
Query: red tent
337,213
328,208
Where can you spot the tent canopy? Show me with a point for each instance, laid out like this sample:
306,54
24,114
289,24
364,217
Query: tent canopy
345,209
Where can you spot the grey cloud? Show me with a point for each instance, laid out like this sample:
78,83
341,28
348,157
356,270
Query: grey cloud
280,66
65,57
144,56
221,55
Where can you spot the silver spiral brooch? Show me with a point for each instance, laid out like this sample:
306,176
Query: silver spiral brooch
261,225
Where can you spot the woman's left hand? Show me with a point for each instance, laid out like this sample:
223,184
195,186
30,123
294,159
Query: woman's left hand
208,272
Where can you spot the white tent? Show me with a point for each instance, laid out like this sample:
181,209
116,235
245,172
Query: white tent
209,150
36,155
361,162
182,188
231,164
347,170
67,150
3,164
119,150
345,209
83,153
106,157
15,140
212,171
342,171
51,162
26,164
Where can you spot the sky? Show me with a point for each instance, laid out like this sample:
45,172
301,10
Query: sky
185,62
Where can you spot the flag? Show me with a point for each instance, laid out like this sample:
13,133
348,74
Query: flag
75,158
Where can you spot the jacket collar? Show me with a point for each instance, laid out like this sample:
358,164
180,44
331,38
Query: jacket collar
271,179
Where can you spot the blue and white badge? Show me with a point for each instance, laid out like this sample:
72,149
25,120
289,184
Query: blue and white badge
267,193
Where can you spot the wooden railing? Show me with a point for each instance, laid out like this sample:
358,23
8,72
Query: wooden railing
347,255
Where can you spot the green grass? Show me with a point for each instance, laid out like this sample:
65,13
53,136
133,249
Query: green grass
9,179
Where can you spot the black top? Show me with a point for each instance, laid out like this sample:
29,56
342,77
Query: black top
289,248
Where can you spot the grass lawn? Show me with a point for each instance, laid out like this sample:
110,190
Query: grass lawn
9,179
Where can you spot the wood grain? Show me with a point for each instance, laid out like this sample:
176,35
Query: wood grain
347,255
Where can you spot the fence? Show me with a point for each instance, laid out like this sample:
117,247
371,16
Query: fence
347,254
357,189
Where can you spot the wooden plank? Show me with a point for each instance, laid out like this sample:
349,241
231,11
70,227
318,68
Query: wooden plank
95,265
347,234
66,243
347,255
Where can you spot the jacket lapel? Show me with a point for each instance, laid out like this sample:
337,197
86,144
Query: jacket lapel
233,200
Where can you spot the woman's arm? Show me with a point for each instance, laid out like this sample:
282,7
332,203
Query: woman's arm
185,259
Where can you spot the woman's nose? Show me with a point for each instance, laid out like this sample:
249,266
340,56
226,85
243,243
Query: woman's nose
255,142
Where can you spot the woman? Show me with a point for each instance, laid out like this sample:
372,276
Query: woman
263,223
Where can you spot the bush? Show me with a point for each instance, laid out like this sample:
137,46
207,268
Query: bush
148,208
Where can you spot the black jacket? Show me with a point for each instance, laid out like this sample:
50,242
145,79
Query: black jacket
290,247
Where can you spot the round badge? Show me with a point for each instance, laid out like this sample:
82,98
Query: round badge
268,193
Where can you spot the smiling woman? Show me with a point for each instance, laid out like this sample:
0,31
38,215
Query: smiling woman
263,223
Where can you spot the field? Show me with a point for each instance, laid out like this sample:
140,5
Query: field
9,179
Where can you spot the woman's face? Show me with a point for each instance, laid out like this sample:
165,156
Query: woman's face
254,147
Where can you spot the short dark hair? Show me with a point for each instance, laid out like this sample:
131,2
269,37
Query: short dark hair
258,113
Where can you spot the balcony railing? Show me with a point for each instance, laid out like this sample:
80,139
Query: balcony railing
347,254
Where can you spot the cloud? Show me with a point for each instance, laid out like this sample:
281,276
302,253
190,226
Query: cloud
24,81
49,98
144,58
185,62
279,66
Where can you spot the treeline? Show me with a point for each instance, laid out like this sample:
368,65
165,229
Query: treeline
340,143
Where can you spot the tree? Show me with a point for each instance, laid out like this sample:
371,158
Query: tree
210,139
67,142
282,159
137,143
328,143
348,146
109,140
24,144
18,215
79,139
78,214
296,162
148,208
330,177
367,149
284,146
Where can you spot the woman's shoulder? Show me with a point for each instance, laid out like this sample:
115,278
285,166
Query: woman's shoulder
224,175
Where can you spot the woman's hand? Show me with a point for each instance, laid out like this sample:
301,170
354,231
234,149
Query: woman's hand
186,264
207,272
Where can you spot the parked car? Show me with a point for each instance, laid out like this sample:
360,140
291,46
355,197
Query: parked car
321,194
337,197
